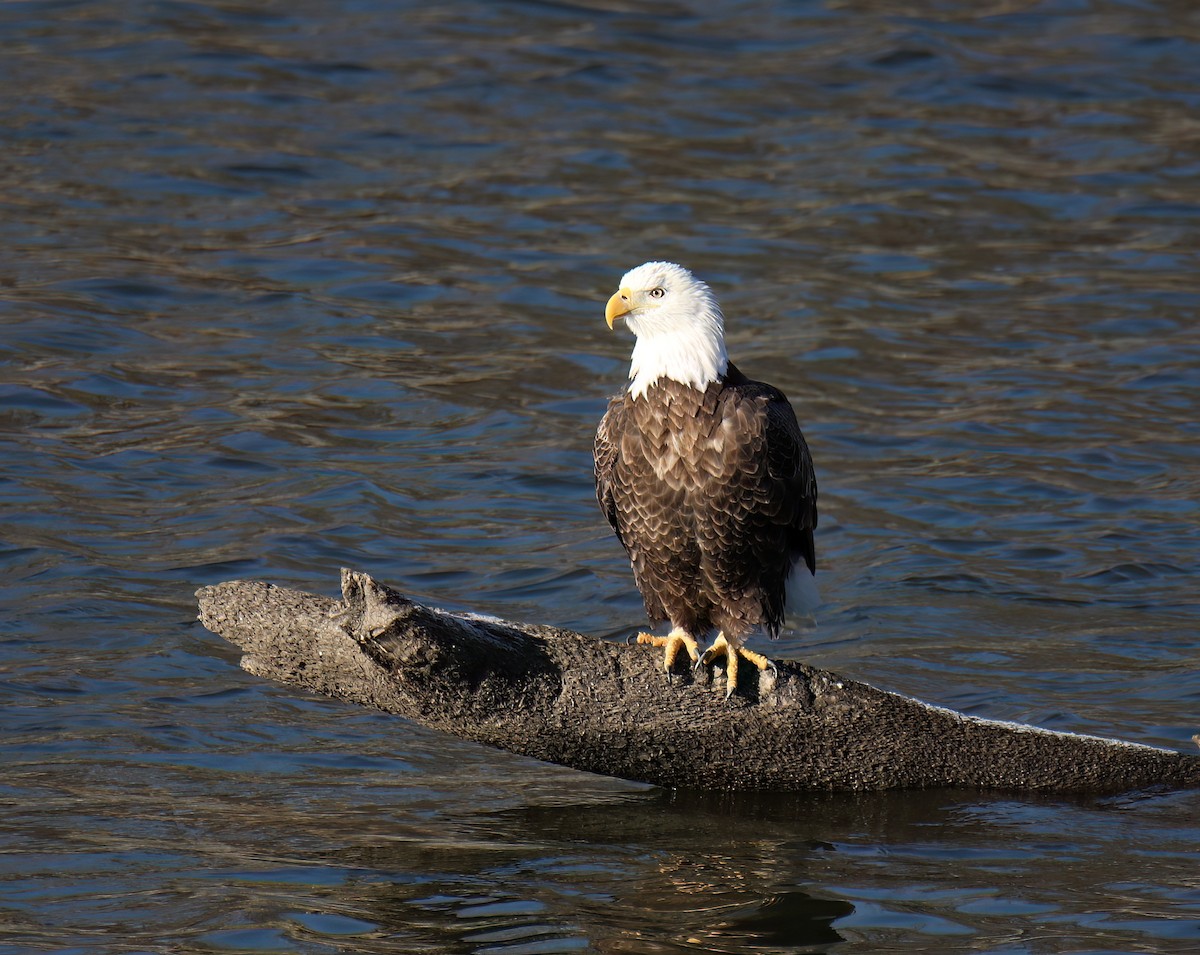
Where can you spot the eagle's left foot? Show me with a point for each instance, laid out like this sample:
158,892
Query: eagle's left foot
731,651
673,641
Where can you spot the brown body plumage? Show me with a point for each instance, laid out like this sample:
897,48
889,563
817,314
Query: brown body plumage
713,496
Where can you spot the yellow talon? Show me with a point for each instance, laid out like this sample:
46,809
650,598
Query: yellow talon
672,642
723,648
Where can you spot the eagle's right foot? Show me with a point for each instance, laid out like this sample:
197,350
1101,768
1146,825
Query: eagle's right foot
730,650
672,643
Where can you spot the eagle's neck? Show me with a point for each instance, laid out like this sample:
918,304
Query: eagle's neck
692,354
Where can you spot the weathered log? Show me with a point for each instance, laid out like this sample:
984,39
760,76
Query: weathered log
608,708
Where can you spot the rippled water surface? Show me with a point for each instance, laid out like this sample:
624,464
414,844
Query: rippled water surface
292,286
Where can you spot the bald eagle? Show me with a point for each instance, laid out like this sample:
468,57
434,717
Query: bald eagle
705,477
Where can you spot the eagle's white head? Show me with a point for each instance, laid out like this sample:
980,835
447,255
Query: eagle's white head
678,323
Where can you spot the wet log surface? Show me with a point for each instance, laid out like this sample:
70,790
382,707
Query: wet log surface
607,708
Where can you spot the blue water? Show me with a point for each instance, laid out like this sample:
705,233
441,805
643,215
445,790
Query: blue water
290,287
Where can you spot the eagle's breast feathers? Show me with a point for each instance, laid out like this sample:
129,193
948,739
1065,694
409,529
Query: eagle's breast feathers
711,492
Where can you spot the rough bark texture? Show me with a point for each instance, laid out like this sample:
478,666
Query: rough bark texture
607,708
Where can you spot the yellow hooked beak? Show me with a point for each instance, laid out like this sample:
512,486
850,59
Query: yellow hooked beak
617,306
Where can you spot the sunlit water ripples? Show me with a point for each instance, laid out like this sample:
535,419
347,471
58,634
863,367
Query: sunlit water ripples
289,288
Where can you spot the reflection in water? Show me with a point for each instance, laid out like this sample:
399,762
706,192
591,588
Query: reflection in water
654,872
707,878
722,893
289,287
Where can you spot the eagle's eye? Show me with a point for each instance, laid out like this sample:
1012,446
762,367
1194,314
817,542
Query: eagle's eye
657,292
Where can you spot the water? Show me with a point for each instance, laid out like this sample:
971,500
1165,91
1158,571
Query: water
294,286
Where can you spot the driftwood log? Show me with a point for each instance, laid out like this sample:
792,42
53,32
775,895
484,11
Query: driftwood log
608,708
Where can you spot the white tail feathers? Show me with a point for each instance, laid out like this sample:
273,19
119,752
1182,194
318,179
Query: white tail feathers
801,596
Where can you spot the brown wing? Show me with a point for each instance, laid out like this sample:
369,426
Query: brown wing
605,450
790,463
764,504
